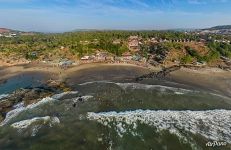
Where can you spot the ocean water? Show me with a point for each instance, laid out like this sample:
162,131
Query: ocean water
120,116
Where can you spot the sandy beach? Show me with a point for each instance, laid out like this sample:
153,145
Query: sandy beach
56,73
214,79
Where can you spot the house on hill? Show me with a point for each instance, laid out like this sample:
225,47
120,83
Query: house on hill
117,41
127,56
154,41
133,43
101,56
85,58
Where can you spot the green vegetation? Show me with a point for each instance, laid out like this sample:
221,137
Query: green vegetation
31,56
81,43
186,59
224,49
173,45
78,44
192,53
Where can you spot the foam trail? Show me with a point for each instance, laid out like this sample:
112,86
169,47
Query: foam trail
59,96
211,124
178,91
104,81
158,87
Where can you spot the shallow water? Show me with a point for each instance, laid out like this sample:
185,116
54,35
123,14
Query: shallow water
120,116
21,81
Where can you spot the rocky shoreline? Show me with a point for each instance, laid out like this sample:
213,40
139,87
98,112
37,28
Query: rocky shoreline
166,71
30,95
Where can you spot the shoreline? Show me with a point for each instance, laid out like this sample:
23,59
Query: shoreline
214,79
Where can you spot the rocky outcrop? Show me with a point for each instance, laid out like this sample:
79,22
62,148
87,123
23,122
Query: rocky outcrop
161,74
29,95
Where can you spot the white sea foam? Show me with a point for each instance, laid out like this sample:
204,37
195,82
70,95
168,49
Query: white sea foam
19,105
20,108
212,124
103,81
59,96
3,96
26,123
85,98
11,114
14,113
38,123
178,91
157,87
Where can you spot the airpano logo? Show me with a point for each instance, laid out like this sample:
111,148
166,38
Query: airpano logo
216,143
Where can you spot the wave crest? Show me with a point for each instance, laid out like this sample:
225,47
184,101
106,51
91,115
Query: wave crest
211,124
35,124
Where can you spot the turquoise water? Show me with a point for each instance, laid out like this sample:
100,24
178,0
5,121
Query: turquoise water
120,116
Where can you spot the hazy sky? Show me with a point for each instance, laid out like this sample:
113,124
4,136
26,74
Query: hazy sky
66,15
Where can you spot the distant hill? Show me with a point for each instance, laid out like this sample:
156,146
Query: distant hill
223,30
222,27
7,32
4,30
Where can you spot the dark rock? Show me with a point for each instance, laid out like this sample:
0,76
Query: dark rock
1,118
161,74
74,104
29,95
5,104
80,99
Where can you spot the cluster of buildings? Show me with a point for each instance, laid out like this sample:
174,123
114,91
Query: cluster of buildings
222,41
95,41
160,40
8,35
102,56
98,57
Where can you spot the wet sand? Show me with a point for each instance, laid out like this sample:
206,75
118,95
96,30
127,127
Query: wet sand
213,79
105,72
48,72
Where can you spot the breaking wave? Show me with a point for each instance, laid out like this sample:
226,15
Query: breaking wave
35,124
20,107
3,96
212,124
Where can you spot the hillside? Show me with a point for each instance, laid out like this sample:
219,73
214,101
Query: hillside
8,31
221,30
4,30
228,27
152,47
